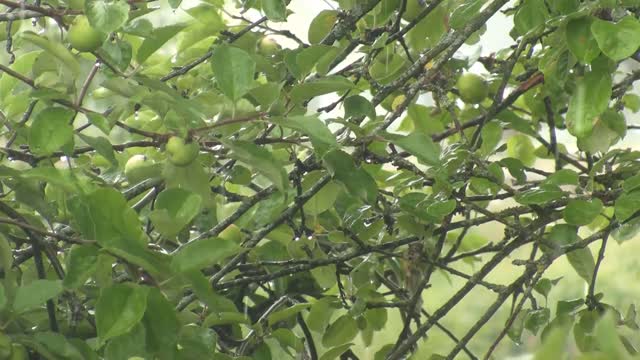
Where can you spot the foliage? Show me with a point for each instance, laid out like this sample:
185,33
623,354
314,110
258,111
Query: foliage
170,188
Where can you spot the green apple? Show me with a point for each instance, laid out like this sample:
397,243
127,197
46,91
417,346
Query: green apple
472,87
139,168
268,47
182,153
231,233
102,93
519,146
144,120
83,37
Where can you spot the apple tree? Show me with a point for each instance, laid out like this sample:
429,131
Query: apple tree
198,180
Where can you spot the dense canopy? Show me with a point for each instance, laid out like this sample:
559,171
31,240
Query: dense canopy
206,180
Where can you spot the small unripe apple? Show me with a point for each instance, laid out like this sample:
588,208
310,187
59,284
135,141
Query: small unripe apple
268,47
83,37
102,93
139,168
180,152
231,233
473,88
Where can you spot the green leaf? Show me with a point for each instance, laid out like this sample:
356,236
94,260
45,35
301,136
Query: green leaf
324,199
107,16
536,319
491,136
151,44
192,177
3,297
174,209
564,6
519,146
335,352
626,231
582,262
81,263
276,10
225,318
203,290
102,147
260,159
307,58
563,177
343,330
35,294
53,176
517,327
580,40
590,99
284,314
202,253
321,138
197,342
104,216
440,209
464,13
544,285
119,308
266,94
568,307
161,323
617,40
320,314
50,130
321,25
357,180
626,205
582,212
530,15
540,195
317,56
553,344
130,345
54,48
608,130
59,345
631,102
419,145
321,86
358,106
234,70
608,339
